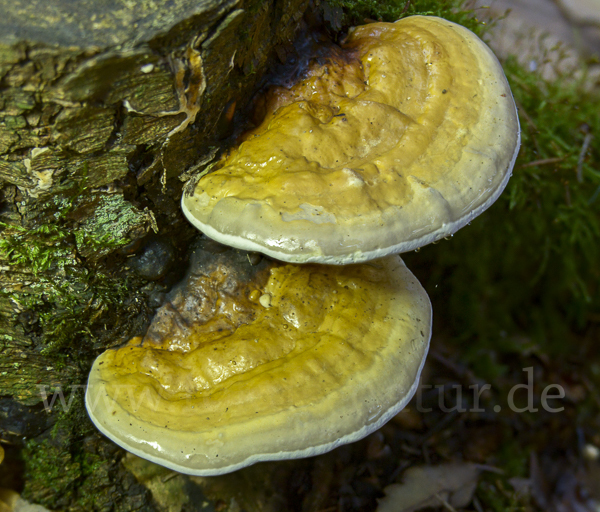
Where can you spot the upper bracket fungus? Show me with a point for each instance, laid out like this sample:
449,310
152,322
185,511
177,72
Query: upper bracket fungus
397,141
264,362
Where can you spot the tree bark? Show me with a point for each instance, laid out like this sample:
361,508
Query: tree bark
106,108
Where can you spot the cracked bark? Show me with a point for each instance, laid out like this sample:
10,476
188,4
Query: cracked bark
105,109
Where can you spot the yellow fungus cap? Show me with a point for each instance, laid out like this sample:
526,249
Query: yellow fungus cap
276,362
399,140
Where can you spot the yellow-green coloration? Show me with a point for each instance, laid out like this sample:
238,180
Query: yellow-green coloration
77,480
354,12
396,142
546,285
49,246
51,252
18,247
111,226
62,469
299,361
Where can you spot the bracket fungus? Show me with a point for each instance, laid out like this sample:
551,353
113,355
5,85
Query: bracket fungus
395,142
264,362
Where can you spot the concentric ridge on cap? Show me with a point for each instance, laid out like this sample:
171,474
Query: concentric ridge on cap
401,142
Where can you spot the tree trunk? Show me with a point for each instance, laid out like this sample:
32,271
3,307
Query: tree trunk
106,108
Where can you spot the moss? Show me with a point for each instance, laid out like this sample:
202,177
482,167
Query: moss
71,469
62,315
498,499
68,295
512,456
523,279
49,458
110,226
38,249
356,11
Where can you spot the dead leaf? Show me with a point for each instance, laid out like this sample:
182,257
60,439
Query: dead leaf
10,501
431,486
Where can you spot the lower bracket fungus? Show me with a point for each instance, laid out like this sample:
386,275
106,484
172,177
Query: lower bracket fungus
268,361
397,139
